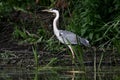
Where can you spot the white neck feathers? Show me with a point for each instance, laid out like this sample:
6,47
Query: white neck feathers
56,31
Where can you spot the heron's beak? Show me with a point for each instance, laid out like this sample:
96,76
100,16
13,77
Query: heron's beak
46,10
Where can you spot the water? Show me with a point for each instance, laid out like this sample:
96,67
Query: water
60,73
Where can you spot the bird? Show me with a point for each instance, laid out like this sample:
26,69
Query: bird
64,36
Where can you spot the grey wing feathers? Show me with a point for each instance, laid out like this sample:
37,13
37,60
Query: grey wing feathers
73,38
69,36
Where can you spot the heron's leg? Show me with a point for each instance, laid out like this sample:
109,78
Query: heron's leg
73,54
73,74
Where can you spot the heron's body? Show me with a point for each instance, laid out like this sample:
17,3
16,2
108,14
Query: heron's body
66,37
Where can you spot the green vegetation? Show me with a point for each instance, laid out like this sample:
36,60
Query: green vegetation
96,20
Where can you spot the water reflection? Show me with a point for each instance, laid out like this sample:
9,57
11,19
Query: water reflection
59,73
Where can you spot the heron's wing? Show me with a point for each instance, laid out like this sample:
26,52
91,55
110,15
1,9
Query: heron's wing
72,38
68,36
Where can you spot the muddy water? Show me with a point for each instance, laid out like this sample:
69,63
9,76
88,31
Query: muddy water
62,73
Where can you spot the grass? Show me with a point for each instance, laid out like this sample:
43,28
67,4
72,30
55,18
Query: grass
35,57
79,56
88,21
117,45
85,21
99,25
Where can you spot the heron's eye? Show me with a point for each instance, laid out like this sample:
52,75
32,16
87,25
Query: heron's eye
53,9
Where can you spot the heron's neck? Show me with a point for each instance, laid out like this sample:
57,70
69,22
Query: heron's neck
56,31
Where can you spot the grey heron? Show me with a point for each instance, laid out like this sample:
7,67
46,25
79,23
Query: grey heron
66,37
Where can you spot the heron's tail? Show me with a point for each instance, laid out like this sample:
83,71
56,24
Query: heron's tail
85,42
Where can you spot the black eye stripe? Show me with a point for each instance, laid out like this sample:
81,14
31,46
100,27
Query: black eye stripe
53,9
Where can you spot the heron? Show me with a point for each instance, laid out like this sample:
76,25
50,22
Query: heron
64,36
